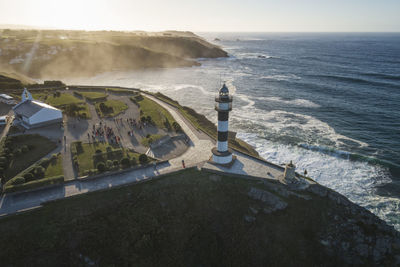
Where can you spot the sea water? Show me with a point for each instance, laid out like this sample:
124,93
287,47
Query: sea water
328,102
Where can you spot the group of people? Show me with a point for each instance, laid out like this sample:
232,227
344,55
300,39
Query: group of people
104,131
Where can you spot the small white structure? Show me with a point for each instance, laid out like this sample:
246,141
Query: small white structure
7,99
31,113
290,172
3,120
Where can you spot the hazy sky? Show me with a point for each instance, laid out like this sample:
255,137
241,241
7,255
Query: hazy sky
206,15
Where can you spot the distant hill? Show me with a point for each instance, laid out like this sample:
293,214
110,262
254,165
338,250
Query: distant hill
14,80
60,53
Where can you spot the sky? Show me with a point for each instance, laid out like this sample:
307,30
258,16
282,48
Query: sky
206,15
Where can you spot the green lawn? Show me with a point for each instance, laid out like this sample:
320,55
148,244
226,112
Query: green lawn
65,102
22,151
53,173
113,108
159,115
87,158
63,99
146,141
54,168
93,96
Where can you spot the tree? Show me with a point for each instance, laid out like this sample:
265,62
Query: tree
39,172
125,162
18,180
101,166
143,158
28,177
176,126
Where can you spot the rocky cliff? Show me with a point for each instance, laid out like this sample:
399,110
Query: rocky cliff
195,218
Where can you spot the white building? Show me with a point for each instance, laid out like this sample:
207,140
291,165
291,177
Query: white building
31,113
7,99
3,120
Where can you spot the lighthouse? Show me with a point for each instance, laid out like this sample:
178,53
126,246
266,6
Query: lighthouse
222,154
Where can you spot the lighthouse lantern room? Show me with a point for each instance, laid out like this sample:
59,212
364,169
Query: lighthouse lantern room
222,154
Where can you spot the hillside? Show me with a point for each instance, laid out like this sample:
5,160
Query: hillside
57,54
194,218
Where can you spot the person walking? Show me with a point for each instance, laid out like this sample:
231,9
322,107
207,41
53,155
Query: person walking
183,164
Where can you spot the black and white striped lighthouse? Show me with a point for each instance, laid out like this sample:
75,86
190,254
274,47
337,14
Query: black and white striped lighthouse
222,154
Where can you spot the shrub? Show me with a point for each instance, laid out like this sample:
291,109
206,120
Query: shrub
24,148
109,149
109,164
98,151
125,162
17,152
28,177
44,163
143,119
143,158
133,161
176,126
148,118
116,163
148,135
33,184
39,172
54,157
101,166
79,147
18,180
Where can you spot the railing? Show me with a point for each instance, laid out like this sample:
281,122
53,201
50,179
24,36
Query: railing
219,98
222,106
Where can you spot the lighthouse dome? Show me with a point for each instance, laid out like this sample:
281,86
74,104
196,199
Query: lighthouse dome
224,91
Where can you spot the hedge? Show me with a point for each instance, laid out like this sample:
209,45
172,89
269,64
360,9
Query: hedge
34,184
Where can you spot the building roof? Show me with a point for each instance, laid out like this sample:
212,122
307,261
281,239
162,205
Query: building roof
30,107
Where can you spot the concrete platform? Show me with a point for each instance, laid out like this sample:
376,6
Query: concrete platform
249,166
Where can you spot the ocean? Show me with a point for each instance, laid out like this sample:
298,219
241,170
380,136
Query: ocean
330,102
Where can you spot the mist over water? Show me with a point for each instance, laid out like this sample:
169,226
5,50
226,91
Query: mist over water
329,102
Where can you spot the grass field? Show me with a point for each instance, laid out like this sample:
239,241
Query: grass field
159,115
63,99
93,96
114,107
53,173
54,168
64,102
38,146
86,155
